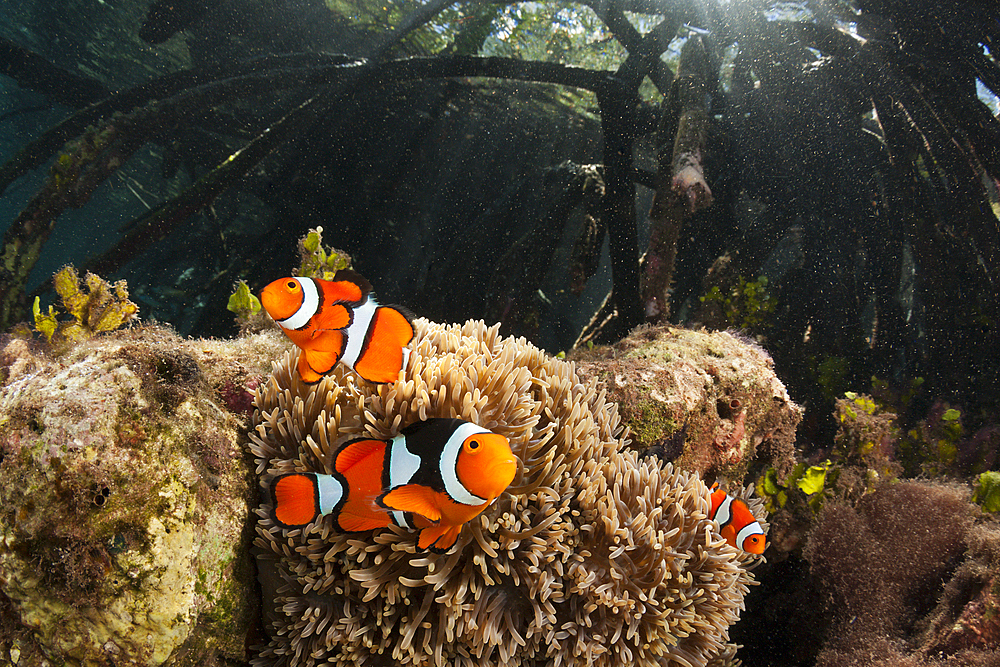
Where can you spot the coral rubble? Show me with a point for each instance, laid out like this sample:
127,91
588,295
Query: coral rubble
124,494
596,555
709,402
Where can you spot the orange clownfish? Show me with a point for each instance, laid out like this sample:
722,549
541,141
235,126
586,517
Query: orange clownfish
434,476
737,523
339,320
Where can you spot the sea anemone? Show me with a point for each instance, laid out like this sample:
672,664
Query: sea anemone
595,555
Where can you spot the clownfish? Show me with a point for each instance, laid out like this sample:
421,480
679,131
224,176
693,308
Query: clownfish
737,523
339,320
434,476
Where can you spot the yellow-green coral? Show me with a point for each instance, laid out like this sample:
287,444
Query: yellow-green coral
319,261
93,306
866,430
931,446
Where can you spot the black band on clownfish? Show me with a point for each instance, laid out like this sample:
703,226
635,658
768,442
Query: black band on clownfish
737,524
339,320
434,476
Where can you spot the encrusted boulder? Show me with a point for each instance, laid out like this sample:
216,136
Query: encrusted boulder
708,401
124,494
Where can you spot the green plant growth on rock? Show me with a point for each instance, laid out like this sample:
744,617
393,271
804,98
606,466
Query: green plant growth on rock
93,306
806,486
746,305
319,261
866,432
987,493
931,446
860,459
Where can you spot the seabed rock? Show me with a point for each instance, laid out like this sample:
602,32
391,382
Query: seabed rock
126,487
707,401
124,496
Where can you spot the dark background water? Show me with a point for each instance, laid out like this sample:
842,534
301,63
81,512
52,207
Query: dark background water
851,150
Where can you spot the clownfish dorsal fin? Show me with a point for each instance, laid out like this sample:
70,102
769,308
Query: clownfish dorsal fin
356,451
347,289
415,498
350,286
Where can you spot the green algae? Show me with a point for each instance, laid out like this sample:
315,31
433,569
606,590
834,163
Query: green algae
651,421
987,493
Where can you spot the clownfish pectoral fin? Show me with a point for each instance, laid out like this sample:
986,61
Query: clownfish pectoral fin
321,356
728,533
414,498
438,538
331,318
382,355
308,375
296,499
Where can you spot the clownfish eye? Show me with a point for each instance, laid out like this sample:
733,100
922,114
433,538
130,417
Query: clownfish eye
291,284
473,445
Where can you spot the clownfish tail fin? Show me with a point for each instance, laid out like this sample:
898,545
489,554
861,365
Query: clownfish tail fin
295,497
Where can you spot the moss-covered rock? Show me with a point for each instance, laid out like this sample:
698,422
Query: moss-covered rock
124,495
709,401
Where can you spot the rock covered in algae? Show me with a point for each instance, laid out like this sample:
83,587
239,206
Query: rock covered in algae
708,401
124,495
596,556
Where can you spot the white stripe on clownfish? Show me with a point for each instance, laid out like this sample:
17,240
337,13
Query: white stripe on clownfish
403,465
449,465
308,308
331,492
722,515
357,331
